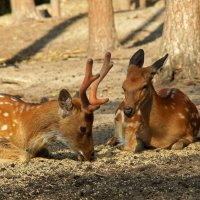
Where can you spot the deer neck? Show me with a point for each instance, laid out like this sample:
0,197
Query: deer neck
150,106
41,127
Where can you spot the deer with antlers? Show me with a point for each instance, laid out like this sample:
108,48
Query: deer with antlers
167,119
26,129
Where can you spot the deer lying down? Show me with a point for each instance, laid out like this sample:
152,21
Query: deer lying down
167,119
26,129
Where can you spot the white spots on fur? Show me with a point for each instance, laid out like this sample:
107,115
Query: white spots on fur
32,107
5,103
8,103
5,114
187,109
172,107
14,122
4,127
17,109
2,96
194,115
27,108
16,103
181,116
9,136
38,106
21,108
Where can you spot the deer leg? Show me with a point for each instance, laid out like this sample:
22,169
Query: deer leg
9,152
135,145
118,134
180,144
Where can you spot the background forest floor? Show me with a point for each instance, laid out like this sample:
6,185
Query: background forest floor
51,55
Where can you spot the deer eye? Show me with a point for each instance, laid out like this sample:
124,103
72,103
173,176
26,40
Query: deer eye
83,129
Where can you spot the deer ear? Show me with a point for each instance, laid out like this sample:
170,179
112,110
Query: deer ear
65,102
156,66
159,63
137,58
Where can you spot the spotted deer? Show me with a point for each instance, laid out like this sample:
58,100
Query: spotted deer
167,119
26,129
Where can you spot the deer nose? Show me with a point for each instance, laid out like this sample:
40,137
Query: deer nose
129,112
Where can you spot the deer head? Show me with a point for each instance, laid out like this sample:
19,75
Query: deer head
76,114
137,86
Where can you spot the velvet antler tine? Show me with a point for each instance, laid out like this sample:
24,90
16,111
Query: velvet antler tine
107,65
88,79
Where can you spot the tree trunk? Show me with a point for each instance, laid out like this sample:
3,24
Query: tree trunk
23,10
102,33
181,39
55,8
121,5
142,3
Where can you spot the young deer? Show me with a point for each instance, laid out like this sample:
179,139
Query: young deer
167,119
26,128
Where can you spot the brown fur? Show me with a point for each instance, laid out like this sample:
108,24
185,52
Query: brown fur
26,129
169,119
38,125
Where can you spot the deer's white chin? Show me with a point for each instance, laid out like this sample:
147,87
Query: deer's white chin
80,156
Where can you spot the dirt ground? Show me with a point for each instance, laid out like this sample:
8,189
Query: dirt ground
50,55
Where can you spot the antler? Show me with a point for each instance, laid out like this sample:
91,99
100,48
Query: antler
107,65
89,78
94,80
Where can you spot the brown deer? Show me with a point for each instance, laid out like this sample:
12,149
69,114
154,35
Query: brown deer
26,129
167,119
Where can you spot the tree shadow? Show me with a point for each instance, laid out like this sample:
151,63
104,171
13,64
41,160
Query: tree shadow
148,3
32,49
134,181
143,26
153,36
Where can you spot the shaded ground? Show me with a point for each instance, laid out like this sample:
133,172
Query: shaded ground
51,55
